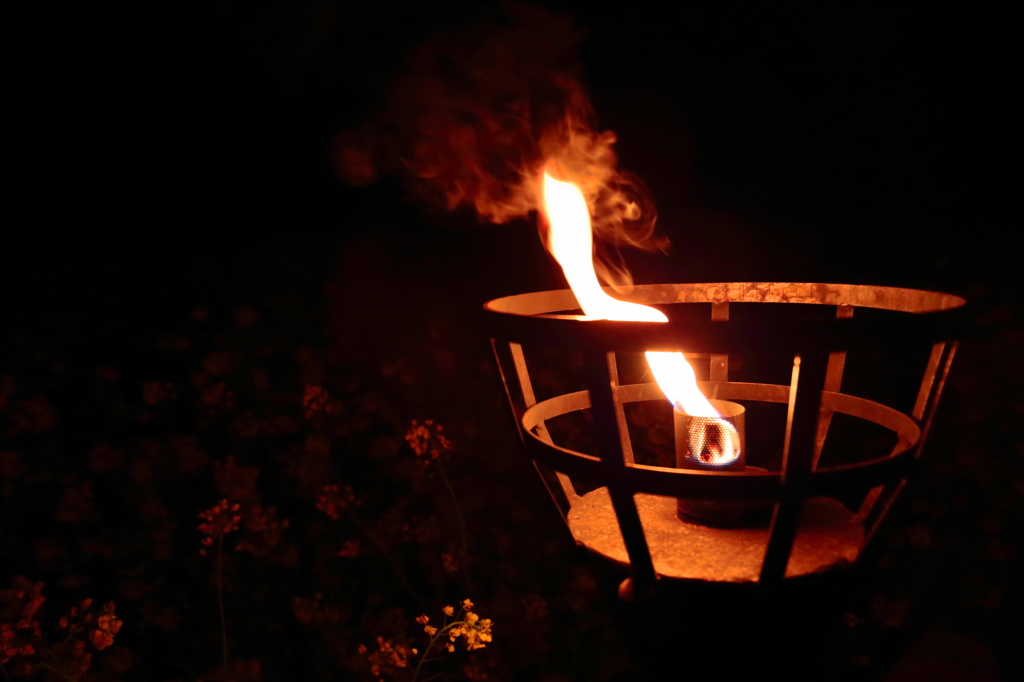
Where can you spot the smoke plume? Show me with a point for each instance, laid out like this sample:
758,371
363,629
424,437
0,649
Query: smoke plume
481,112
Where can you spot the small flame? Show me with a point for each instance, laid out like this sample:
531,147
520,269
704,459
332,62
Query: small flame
570,240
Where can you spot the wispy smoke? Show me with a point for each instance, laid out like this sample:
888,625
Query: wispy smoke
482,111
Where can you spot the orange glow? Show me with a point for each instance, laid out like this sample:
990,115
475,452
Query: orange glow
570,240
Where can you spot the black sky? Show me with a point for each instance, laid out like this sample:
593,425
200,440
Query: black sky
161,147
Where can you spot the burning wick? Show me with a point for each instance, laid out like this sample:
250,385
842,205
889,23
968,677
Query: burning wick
713,440
711,445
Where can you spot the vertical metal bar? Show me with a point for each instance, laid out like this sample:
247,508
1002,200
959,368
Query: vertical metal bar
936,395
809,370
794,380
561,505
523,372
833,384
869,502
926,405
806,401
527,387
508,393
719,370
620,413
886,506
928,380
875,493
609,449
602,406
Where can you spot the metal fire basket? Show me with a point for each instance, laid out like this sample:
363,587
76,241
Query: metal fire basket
631,517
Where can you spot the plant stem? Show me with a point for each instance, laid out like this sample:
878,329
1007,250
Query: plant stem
51,669
220,603
446,626
394,564
462,519
423,658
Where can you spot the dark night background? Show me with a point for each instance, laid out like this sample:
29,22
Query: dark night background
176,157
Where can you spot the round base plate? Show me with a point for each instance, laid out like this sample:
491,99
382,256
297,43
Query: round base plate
829,536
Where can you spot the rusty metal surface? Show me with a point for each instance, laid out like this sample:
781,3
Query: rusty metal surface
828,537
620,414
833,383
856,295
719,368
928,380
533,318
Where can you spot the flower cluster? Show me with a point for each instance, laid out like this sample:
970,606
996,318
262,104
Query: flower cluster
107,625
156,392
388,656
217,396
220,519
427,439
21,642
11,646
314,400
8,648
20,603
263,530
334,498
474,630
99,630
18,626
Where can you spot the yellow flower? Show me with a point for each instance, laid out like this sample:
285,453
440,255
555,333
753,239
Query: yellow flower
476,632
423,620
450,647
430,630
466,604
449,610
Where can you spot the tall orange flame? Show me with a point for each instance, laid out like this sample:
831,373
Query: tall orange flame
570,240
493,117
